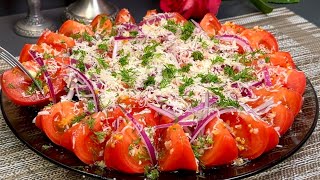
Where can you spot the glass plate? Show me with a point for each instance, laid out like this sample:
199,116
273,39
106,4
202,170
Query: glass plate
19,119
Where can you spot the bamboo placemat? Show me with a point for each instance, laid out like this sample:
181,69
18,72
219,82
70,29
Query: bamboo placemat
294,34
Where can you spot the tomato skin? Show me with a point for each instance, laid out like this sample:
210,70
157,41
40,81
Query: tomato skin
102,24
224,149
210,24
251,135
147,117
43,48
117,154
231,28
258,37
86,144
150,13
15,83
281,118
282,59
175,150
70,27
178,18
59,120
124,16
296,81
57,41
273,138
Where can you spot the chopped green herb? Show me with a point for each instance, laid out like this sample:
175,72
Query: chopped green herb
87,37
91,106
218,59
103,47
78,118
102,63
128,76
227,102
171,26
186,82
90,122
80,64
124,60
102,21
229,71
168,73
187,30
185,68
267,59
133,33
151,172
101,135
47,56
197,55
244,75
32,88
149,82
146,58
76,36
209,78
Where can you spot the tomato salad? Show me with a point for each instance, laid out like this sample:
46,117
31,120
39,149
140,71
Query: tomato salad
163,95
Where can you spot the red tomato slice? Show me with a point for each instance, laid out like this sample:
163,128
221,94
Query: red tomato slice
223,148
147,117
42,49
125,151
57,41
273,138
150,13
124,16
210,24
102,24
251,135
89,138
18,87
282,59
281,118
178,18
296,81
260,37
70,28
231,28
175,151
59,119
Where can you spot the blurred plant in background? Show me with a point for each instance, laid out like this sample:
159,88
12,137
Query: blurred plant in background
198,8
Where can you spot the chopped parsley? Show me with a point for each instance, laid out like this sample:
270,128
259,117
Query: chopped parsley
78,118
224,101
91,106
267,59
151,172
101,135
186,82
187,30
171,26
218,59
90,122
149,82
197,55
209,78
76,36
185,68
124,60
149,53
244,75
133,33
168,73
102,63
47,55
103,47
87,37
128,76
80,64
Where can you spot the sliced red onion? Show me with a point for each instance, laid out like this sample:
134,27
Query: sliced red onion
245,92
256,84
249,110
202,124
197,108
267,80
74,61
118,38
239,40
156,18
143,134
162,111
47,78
70,95
90,86
186,123
129,26
227,110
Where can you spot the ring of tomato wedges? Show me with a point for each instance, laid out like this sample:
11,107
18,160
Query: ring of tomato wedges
129,137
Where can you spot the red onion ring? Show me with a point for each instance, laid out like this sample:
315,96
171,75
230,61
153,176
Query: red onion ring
238,39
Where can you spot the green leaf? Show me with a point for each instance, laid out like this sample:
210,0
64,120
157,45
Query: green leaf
262,6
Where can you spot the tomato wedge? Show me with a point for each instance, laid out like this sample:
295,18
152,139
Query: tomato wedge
44,49
59,118
175,151
102,24
57,41
20,89
125,151
124,16
210,24
251,135
150,13
89,138
282,59
222,148
281,118
273,137
231,28
71,28
260,38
